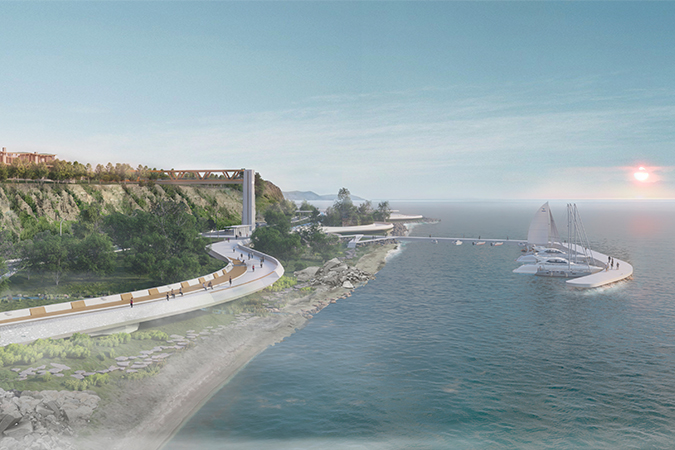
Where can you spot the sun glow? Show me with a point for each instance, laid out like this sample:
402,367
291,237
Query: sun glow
641,175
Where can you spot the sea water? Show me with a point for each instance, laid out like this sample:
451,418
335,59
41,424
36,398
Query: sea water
448,349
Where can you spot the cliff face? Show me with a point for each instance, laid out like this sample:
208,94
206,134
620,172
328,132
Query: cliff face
273,192
65,201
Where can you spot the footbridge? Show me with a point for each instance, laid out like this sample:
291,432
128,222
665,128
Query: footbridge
246,271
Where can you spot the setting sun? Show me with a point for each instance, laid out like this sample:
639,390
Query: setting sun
641,174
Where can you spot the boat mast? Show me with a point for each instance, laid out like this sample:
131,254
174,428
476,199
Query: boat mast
569,236
583,238
577,242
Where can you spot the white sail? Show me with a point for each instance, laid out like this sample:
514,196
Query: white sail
542,228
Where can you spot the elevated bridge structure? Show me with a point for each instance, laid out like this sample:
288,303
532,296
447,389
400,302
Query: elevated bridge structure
209,176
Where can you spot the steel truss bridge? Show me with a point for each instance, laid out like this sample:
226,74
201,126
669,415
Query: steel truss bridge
218,176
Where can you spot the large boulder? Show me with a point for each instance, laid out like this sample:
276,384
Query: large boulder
77,413
347,285
10,416
329,265
19,431
340,268
306,274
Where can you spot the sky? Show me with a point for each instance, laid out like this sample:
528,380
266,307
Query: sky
393,100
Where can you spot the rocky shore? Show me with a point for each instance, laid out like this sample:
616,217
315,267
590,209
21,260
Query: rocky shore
144,414
43,420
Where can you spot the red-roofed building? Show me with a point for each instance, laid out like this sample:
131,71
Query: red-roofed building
37,158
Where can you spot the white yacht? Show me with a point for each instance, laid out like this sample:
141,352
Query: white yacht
537,253
553,258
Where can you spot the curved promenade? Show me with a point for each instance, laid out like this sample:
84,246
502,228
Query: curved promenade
603,277
114,312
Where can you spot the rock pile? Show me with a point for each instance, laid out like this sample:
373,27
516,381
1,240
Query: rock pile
37,420
334,273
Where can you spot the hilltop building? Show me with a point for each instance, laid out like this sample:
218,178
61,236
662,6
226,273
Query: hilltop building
37,158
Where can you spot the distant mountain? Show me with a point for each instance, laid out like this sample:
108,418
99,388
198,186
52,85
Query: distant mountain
309,196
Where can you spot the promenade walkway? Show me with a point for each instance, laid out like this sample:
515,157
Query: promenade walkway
114,312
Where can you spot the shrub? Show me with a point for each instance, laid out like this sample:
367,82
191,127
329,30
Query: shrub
77,351
282,283
98,379
75,385
155,335
113,340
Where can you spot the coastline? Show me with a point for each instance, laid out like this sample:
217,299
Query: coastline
152,411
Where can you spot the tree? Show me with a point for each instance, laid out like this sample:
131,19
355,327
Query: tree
93,254
364,213
275,217
271,240
90,220
259,185
318,241
315,215
165,244
382,213
48,253
121,228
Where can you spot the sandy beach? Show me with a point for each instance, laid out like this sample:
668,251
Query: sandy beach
149,412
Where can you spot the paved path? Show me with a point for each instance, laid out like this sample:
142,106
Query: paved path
103,313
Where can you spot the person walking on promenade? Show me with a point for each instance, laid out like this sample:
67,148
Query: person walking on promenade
180,291
253,267
230,281
204,286
173,294
131,302
167,296
210,285
617,266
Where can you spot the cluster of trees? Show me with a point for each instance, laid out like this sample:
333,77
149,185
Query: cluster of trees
345,213
278,239
309,239
65,170
164,244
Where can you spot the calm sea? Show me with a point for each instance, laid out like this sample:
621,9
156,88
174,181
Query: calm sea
448,349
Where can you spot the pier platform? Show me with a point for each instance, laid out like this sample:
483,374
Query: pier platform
597,279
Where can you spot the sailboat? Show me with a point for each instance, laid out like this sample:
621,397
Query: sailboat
548,256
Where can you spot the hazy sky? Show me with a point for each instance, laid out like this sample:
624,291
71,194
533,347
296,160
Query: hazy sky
390,99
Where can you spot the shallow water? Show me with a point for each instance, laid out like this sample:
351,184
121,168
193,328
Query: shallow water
448,348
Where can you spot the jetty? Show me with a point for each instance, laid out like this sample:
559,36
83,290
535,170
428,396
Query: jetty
597,269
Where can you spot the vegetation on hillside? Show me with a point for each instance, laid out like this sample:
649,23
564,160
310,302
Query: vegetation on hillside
345,213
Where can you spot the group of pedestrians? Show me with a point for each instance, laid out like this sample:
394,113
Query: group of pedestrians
610,263
172,294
